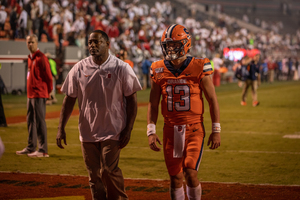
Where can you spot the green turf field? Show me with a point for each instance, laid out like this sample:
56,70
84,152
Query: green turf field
253,147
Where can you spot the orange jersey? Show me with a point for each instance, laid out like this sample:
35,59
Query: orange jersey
182,101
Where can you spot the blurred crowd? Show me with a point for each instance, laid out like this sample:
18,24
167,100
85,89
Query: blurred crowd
136,28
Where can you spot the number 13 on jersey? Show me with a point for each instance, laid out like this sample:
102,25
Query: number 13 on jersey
178,97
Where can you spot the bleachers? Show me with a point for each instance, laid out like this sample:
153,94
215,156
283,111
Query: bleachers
267,10
4,34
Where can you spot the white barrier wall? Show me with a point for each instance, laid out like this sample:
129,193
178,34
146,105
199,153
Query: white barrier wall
13,68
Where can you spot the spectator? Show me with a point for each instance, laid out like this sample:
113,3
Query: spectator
52,98
284,68
278,70
146,69
123,54
238,72
3,16
56,19
271,69
2,115
40,5
112,30
22,23
2,148
78,25
42,28
218,62
68,15
39,85
34,17
13,21
296,73
264,71
142,34
98,23
67,28
290,69
246,18
252,65
80,42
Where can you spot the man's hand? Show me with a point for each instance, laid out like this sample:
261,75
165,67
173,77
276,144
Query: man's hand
61,135
124,138
215,140
152,139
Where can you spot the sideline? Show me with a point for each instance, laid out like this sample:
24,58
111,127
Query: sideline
144,179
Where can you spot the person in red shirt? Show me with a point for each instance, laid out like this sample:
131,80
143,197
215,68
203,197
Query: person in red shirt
39,85
271,69
113,30
96,23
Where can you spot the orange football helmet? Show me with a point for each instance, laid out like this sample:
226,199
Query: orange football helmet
179,38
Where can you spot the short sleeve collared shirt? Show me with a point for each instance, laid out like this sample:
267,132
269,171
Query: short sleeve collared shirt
101,92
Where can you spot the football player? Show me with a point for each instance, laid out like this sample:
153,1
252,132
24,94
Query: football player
180,81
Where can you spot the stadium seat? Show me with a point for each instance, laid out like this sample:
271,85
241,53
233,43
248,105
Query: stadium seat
20,39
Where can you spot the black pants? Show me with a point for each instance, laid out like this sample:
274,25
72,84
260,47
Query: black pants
2,115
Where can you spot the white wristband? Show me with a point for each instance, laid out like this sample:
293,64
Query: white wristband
151,129
216,128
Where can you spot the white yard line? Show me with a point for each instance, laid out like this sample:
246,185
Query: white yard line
252,132
260,152
292,136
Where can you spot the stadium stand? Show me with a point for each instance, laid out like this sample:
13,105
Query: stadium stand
271,26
